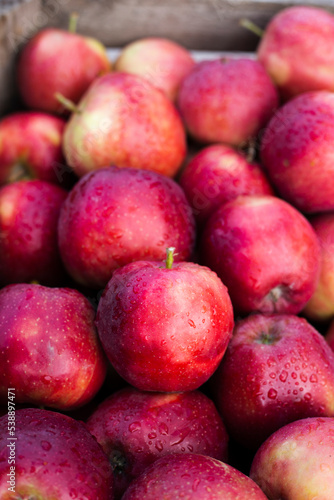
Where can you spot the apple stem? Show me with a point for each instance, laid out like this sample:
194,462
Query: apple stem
170,257
67,103
250,26
73,22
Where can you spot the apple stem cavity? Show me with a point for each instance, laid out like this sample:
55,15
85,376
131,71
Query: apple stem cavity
73,22
250,26
67,103
170,257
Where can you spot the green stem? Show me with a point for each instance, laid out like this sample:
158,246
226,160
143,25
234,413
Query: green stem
72,25
170,257
67,103
249,25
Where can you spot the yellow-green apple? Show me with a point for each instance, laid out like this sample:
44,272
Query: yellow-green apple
321,305
277,369
48,455
124,120
114,216
161,61
227,100
297,151
195,477
58,61
297,50
135,428
297,461
165,327
30,147
217,174
49,348
265,252
29,212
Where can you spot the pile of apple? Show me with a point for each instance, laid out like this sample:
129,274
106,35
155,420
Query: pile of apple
167,270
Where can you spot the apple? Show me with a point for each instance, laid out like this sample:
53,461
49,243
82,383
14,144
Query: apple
48,455
29,212
165,327
297,50
31,147
297,461
135,428
297,148
265,252
277,369
195,477
227,100
217,174
124,120
55,62
321,305
49,349
114,216
163,62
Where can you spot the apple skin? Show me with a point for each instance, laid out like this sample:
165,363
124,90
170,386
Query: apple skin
195,477
217,174
126,121
56,458
297,50
276,369
165,329
118,215
227,100
297,151
49,347
30,147
135,428
29,212
321,305
297,461
163,62
265,252
58,61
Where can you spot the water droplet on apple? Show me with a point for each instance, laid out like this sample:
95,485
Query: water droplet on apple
294,375
163,429
46,445
303,377
307,396
191,323
283,376
152,435
196,484
313,378
135,426
159,445
272,393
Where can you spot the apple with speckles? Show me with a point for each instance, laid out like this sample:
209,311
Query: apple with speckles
49,348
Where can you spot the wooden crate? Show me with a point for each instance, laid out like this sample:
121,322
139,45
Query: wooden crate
197,24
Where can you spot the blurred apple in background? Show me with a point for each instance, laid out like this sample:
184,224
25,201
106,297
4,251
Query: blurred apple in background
136,428
124,120
297,151
297,50
276,369
227,100
54,457
297,461
162,62
29,212
266,253
49,348
218,174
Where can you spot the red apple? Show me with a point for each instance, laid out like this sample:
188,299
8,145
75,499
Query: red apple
297,50
195,477
49,348
265,252
165,327
321,305
227,100
297,461
50,456
218,174
115,216
57,61
136,428
30,147
126,121
297,151
276,369
163,62
29,212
